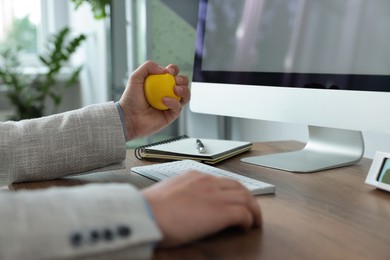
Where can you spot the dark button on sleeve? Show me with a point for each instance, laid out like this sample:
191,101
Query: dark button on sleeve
76,239
108,234
124,231
94,236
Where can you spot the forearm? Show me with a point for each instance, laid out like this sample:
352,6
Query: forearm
84,222
59,145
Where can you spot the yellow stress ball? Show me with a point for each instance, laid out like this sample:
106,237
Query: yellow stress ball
158,86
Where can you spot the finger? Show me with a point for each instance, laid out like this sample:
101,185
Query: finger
182,80
172,104
181,89
177,105
251,203
173,69
148,68
240,216
242,197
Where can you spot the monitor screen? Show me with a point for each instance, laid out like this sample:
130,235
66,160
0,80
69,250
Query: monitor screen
323,63
384,175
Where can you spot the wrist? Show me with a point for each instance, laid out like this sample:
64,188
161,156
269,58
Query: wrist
126,124
120,113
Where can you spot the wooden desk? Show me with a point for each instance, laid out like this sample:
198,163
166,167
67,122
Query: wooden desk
325,215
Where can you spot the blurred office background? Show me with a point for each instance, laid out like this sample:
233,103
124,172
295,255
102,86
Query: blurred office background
133,31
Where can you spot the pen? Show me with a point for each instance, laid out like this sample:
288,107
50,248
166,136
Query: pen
200,146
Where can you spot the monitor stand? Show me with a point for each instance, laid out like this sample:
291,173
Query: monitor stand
326,148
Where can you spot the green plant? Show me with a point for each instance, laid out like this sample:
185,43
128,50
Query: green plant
98,7
30,94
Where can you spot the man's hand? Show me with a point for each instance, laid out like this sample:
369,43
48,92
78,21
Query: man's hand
142,119
194,205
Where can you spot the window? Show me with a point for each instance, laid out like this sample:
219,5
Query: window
20,21
28,23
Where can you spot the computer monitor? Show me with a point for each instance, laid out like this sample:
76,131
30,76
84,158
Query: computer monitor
321,63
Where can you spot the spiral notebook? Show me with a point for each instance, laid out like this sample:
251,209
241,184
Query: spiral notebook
185,147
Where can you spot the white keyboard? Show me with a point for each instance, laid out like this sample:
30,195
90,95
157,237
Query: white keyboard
167,170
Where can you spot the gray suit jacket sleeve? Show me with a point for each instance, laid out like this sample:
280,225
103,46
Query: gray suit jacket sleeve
95,221
89,222
62,144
